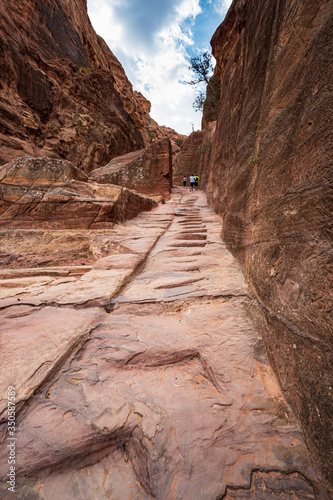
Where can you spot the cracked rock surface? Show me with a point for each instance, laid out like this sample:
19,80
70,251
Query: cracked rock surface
144,377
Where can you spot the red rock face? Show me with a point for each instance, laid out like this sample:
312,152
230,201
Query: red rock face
39,193
148,171
194,155
187,160
63,94
270,176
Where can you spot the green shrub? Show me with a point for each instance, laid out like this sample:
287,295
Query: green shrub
254,160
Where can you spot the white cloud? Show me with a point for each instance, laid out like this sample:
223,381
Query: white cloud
188,8
221,6
150,40
105,24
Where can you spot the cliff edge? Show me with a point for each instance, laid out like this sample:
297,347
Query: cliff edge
63,94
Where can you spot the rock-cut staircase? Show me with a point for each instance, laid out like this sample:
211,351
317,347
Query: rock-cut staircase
145,377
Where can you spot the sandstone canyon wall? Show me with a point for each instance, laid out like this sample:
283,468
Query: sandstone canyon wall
194,155
63,94
270,177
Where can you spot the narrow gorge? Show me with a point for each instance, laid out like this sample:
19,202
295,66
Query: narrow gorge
158,343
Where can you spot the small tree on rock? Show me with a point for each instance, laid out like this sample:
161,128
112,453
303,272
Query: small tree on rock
199,101
203,68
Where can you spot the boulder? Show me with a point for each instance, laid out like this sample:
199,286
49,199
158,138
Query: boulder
148,171
41,193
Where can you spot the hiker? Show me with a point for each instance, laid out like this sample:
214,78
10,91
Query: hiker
196,182
192,182
184,180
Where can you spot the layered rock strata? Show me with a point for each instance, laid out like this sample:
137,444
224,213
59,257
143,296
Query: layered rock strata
63,94
53,194
145,378
148,171
270,177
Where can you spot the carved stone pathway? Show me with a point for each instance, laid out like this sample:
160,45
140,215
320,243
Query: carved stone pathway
143,377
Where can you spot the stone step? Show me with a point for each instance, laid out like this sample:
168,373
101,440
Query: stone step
147,374
45,271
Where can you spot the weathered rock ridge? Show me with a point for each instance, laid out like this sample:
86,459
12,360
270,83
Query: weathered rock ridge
63,94
269,174
148,171
40,193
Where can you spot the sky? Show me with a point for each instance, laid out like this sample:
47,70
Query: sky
153,40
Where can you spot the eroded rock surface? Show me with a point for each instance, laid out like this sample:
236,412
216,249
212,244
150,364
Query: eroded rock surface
187,160
194,157
160,388
45,193
148,171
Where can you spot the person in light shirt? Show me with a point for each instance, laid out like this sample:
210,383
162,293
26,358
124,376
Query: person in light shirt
192,182
184,180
